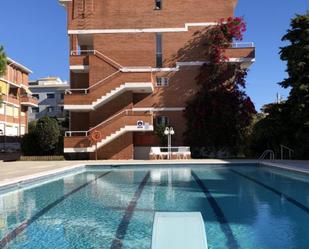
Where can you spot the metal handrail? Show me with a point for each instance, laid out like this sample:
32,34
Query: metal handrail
266,153
86,133
282,148
86,90
79,52
242,45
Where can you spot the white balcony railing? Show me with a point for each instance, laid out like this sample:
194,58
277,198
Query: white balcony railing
242,45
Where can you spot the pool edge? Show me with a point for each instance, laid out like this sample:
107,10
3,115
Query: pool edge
16,183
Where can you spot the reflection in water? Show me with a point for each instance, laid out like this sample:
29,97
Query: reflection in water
90,217
183,175
10,209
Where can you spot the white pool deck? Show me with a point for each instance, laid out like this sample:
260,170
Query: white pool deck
14,172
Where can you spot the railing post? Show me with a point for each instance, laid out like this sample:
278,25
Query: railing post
290,154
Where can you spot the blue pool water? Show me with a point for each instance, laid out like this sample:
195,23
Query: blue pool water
249,207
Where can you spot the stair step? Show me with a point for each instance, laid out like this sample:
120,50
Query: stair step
109,94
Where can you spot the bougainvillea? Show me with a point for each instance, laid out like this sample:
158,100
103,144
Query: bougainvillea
219,113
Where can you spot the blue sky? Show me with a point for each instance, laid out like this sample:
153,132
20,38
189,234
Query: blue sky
34,33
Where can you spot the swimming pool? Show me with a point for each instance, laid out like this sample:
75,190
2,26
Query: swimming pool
243,206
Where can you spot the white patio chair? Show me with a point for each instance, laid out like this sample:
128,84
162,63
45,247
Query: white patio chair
155,153
183,153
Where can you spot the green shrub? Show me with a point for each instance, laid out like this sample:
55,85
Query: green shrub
44,138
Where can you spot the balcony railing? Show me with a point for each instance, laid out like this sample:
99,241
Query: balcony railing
28,100
242,45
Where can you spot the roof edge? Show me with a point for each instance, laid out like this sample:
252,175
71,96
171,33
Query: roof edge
12,62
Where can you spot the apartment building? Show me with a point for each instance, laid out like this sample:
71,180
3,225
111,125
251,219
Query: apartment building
133,65
16,98
49,92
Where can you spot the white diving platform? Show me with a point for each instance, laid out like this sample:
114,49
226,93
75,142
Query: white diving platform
178,230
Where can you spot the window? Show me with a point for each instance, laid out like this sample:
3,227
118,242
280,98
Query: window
9,110
158,4
162,81
50,109
35,109
36,96
50,95
61,108
159,50
162,121
61,95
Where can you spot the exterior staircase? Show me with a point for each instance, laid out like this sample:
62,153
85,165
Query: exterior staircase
142,87
110,129
105,89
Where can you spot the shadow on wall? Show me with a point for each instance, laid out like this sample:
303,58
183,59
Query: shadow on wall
182,83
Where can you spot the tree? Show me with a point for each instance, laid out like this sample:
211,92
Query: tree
48,132
29,145
287,123
296,54
43,138
220,112
32,126
159,131
2,61
270,130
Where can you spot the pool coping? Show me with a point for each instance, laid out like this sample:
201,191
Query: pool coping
28,180
19,182
287,167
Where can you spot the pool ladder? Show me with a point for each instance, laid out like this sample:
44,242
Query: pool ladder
267,153
291,152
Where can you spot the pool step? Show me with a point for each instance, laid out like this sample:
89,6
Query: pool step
178,230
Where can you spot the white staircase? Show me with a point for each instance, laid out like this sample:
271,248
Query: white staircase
110,129
136,87
110,138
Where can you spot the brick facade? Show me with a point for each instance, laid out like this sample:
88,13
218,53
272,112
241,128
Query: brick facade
114,67
15,100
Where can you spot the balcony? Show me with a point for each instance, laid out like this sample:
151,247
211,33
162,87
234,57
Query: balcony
28,100
243,52
12,99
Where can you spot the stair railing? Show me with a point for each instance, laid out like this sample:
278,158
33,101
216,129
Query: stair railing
86,90
96,52
106,58
123,113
